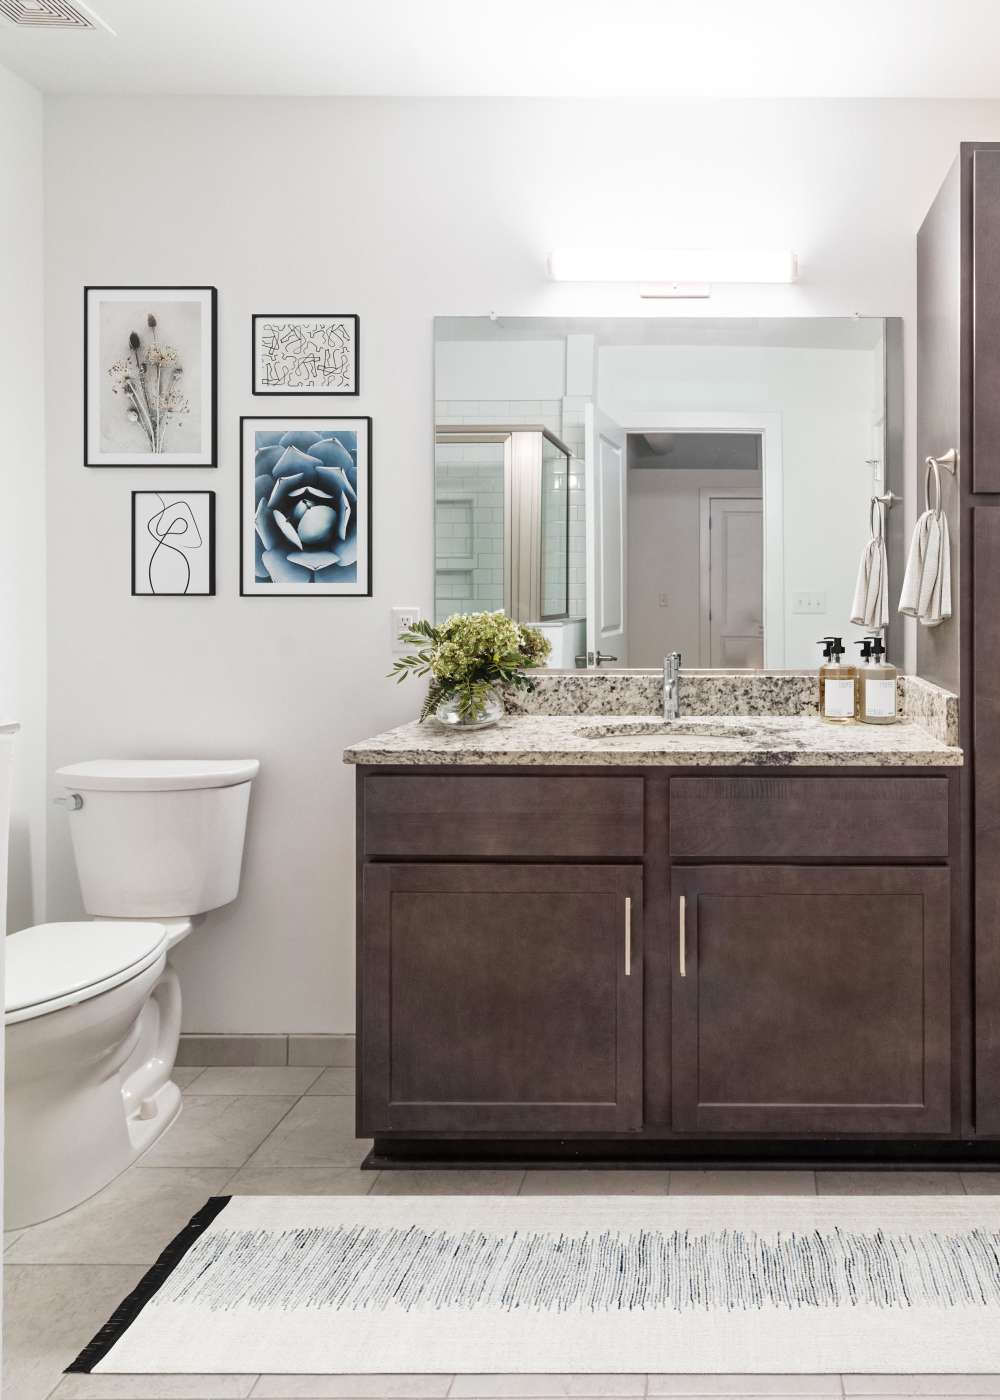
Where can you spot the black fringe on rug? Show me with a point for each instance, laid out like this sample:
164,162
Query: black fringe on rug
150,1284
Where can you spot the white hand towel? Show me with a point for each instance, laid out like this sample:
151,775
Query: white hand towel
871,592
926,591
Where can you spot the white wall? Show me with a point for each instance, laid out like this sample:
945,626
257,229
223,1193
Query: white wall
824,402
22,503
397,210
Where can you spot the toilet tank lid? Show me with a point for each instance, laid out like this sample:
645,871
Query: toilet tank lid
157,774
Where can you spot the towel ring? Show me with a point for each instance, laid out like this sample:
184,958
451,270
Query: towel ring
931,467
876,518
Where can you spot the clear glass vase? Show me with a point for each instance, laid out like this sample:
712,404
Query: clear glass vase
448,713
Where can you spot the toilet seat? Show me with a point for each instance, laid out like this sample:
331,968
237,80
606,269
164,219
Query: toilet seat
52,966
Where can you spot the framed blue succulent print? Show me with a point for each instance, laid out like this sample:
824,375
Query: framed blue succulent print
305,507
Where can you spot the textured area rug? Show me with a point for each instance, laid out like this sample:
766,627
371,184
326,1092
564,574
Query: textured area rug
285,1284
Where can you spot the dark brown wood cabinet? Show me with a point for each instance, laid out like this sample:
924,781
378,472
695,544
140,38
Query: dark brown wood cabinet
502,998
811,999
525,988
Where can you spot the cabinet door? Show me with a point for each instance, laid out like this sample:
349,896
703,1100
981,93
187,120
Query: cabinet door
811,1000
501,998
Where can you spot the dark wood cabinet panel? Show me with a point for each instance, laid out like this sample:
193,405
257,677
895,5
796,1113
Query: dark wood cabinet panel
515,817
501,998
815,1000
790,818
986,849
986,321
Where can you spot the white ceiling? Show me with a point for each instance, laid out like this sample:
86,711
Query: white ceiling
524,48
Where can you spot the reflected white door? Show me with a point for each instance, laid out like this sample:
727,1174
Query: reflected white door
607,532
735,592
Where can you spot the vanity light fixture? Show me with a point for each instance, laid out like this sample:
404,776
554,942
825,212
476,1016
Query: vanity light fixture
671,268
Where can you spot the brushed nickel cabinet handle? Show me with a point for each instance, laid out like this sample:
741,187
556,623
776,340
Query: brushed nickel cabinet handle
682,937
628,936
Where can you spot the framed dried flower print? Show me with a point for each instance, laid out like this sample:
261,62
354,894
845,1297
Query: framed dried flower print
149,376
308,354
305,507
173,544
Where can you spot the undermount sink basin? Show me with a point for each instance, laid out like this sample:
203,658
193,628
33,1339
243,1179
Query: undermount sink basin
679,728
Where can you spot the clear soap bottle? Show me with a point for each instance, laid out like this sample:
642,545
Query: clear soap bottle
837,684
878,684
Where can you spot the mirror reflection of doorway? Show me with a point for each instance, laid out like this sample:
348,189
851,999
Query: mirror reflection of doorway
696,548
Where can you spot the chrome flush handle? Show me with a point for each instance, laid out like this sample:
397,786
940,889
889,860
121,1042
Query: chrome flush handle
72,802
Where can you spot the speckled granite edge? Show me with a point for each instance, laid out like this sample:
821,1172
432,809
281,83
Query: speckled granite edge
931,706
575,740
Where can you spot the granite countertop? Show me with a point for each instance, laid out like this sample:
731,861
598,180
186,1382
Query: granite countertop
751,741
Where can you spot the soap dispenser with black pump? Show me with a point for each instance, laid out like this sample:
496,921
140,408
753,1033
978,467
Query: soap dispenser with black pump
878,684
837,684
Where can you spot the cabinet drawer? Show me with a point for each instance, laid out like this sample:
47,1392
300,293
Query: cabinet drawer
809,818
517,816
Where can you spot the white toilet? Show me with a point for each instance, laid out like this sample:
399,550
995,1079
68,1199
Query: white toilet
93,1008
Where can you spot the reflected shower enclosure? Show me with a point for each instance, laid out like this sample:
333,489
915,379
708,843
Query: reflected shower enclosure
502,522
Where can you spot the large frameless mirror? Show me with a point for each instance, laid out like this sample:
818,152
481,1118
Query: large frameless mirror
640,486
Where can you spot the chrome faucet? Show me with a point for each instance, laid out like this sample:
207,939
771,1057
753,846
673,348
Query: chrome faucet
671,685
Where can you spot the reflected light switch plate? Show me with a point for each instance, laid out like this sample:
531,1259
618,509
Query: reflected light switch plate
804,602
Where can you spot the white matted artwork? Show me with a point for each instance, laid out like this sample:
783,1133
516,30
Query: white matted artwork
149,377
173,544
305,354
305,507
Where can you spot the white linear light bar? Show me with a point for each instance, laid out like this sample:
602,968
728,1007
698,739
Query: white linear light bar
671,266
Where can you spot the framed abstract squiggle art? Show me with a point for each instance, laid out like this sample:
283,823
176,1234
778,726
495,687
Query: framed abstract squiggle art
308,354
173,544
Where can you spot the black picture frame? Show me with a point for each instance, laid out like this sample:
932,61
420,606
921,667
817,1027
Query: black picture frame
305,316
209,592
153,459
291,420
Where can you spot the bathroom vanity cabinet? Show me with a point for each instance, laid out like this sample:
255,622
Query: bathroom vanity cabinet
658,963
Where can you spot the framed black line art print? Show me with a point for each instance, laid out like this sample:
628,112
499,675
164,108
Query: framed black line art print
150,377
173,544
305,354
305,507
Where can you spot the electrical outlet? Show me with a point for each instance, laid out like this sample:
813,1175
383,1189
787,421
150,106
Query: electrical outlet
805,602
664,600
401,619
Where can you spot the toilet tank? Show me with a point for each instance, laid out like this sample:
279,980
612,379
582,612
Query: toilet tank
157,838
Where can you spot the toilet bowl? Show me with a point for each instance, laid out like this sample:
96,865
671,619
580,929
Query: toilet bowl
93,1007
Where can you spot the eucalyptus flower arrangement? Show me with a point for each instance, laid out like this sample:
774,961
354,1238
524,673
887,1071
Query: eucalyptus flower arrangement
149,378
467,655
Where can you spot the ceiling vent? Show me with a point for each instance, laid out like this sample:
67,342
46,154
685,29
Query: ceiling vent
49,14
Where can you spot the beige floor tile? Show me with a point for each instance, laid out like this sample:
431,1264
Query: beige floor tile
925,1386
51,1312
244,1079
528,1386
981,1183
214,1131
595,1183
11,1237
889,1183
185,1075
334,1081
789,1386
129,1222
742,1183
397,1387
461,1182
319,1131
153,1387
300,1181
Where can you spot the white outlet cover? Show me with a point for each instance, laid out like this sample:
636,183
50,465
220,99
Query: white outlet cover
399,620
